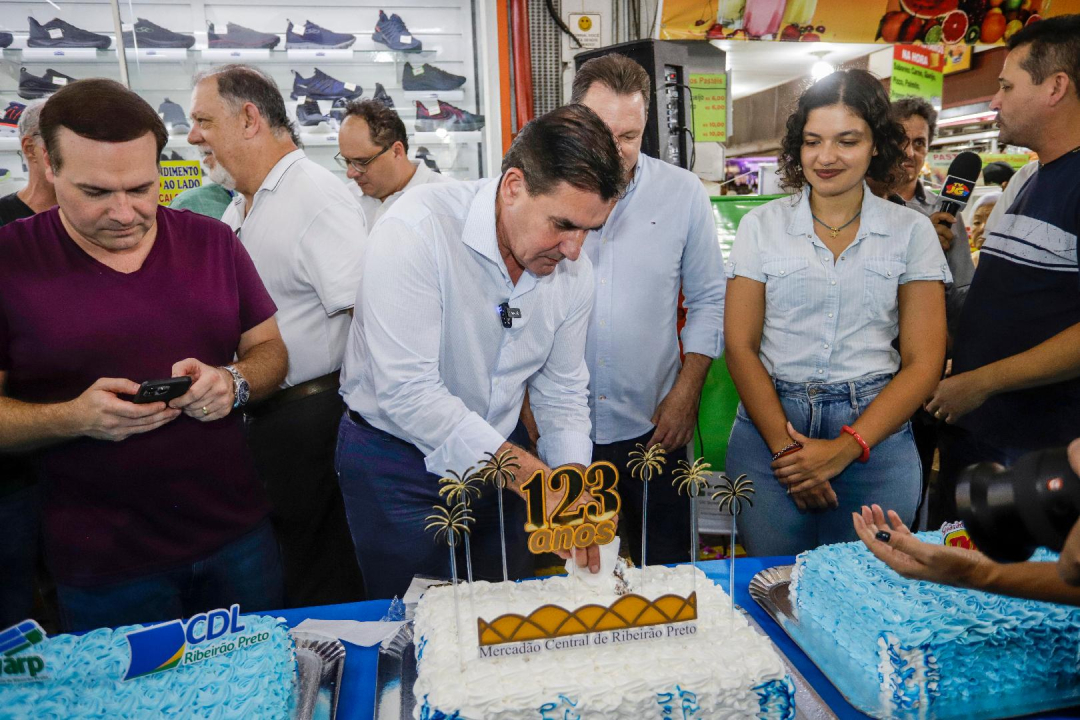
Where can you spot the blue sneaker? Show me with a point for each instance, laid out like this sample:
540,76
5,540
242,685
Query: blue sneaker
59,34
309,114
9,123
382,96
391,32
316,37
321,86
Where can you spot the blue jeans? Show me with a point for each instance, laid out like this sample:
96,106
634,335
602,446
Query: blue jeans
892,477
246,571
20,518
388,495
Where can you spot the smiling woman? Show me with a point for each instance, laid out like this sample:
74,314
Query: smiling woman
821,286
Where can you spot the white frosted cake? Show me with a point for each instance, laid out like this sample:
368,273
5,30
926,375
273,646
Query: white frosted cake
722,668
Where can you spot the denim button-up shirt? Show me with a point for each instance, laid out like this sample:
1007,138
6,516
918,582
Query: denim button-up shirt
826,320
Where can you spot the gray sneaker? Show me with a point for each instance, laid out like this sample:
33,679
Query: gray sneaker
173,115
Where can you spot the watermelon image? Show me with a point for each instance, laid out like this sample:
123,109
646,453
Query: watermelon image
929,8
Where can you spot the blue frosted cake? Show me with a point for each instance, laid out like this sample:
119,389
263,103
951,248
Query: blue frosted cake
903,648
247,674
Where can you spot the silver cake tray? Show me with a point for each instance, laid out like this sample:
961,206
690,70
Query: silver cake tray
394,698
320,661
770,589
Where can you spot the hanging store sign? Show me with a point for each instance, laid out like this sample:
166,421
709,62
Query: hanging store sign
709,97
917,72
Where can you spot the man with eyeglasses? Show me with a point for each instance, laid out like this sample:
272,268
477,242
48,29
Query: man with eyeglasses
305,233
38,195
375,156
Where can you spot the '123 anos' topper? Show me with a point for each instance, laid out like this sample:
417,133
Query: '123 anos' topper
571,509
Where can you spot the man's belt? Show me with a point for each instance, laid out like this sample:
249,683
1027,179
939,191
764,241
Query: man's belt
297,392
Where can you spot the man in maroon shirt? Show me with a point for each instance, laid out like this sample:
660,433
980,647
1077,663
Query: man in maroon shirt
152,511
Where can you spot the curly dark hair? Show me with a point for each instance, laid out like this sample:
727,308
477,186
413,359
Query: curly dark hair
864,95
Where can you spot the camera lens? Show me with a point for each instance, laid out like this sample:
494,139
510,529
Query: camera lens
1010,513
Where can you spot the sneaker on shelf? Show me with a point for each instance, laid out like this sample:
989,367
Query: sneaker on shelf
316,37
32,87
449,118
309,114
175,156
150,35
382,96
59,34
241,38
6,39
9,123
321,86
391,32
430,79
422,153
337,110
173,115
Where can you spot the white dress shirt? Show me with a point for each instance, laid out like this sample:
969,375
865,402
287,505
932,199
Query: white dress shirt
833,320
306,236
374,208
429,360
660,237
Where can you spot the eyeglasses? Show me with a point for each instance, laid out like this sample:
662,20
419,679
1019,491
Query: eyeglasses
359,166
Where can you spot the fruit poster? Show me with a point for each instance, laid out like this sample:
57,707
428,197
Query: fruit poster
918,72
709,93
985,22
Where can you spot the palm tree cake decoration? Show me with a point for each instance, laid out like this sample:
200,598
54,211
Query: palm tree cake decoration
499,471
460,490
451,523
729,497
643,465
694,480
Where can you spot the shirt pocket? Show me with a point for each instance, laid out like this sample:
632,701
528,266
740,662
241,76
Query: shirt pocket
787,284
881,282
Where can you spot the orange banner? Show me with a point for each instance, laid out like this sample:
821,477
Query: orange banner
984,22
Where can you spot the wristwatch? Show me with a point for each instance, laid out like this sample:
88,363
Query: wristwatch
241,389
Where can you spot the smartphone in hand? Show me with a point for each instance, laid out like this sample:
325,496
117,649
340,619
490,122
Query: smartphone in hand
162,390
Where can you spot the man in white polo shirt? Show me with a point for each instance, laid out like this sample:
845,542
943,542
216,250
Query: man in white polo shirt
375,156
305,234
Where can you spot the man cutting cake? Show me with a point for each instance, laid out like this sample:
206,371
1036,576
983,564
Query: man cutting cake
470,294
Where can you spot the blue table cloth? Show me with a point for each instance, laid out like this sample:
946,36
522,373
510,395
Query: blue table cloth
357,700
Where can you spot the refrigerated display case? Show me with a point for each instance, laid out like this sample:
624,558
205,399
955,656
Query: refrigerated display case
429,58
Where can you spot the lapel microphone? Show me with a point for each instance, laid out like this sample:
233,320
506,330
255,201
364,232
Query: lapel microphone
507,314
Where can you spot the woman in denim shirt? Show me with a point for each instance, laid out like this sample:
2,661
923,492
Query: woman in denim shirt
820,286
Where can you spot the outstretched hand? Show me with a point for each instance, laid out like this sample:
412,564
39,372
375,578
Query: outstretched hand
894,544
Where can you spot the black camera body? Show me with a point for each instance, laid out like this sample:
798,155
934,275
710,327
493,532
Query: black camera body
1009,513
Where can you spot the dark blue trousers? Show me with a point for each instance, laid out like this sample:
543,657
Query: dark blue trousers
389,494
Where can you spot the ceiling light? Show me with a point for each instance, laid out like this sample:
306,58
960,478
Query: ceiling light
821,69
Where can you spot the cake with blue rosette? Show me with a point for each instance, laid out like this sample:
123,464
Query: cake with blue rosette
909,649
247,674
724,669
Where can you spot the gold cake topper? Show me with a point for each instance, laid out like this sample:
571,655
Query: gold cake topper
584,516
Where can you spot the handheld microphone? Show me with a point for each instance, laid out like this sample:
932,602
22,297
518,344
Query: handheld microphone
960,183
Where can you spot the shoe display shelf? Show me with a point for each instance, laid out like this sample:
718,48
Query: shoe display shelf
446,29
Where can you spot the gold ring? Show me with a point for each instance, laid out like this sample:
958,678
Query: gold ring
205,411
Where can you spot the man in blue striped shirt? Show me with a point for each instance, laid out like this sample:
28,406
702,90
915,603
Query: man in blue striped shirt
1015,385
660,238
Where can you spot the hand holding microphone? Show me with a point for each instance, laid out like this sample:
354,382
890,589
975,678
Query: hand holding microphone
955,194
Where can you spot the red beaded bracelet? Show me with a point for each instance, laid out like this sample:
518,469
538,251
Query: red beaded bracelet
862,443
